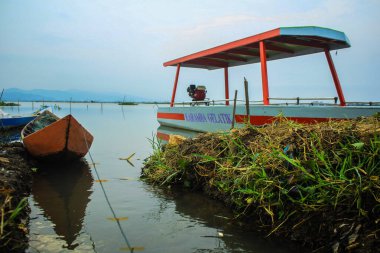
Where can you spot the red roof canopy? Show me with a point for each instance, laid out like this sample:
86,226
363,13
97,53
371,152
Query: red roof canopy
280,43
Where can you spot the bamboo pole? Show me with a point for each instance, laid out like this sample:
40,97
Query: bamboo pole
234,111
246,98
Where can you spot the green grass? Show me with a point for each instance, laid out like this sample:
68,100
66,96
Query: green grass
282,171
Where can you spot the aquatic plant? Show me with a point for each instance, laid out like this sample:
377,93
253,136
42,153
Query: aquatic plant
283,173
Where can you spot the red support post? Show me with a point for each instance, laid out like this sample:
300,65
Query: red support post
335,78
175,85
226,86
264,73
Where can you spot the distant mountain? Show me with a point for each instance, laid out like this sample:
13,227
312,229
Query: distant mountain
14,94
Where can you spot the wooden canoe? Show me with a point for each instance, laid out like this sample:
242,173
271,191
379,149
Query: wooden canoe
48,137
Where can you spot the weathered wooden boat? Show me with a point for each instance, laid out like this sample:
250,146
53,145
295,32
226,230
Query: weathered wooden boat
284,42
50,138
8,121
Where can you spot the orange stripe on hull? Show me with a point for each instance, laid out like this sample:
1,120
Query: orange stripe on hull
175,116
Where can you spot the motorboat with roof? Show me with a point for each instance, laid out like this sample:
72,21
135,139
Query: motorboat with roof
276,44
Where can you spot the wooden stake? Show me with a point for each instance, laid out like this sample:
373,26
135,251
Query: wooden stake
246,98
234,111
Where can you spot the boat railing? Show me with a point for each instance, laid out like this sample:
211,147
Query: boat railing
208,102
363,103
281,101
298,100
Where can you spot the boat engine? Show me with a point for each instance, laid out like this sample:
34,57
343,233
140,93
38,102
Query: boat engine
197,92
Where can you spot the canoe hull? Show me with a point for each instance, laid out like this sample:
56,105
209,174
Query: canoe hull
13,122
64,139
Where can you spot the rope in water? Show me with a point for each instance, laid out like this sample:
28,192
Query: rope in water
106,197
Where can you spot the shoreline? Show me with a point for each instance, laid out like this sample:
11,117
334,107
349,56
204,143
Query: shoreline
15,188
317,185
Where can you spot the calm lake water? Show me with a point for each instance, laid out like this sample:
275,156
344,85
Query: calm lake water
70,213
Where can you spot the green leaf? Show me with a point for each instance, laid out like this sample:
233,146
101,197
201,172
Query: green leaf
358,145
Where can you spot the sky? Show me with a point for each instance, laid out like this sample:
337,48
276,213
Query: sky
121,45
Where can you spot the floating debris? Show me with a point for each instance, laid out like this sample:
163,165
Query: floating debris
132,249
128,178
128,158
117,218
101,180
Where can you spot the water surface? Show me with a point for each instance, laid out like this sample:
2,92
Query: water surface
70,213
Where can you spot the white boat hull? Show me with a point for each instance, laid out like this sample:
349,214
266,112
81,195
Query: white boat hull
219,118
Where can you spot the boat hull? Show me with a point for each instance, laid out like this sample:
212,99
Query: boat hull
64,139
219,118
13,122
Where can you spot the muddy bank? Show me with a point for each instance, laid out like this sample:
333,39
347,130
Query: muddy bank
314,184
15,187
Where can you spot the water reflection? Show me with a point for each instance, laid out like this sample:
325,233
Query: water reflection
163,133
229,234
63,193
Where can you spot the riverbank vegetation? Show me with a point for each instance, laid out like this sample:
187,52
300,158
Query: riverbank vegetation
15,186
318,184
2,103
127,103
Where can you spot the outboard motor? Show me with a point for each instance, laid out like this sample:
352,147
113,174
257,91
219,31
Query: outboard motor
197,93
191,90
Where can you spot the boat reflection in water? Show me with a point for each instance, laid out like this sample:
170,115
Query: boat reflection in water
63,192
164,132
